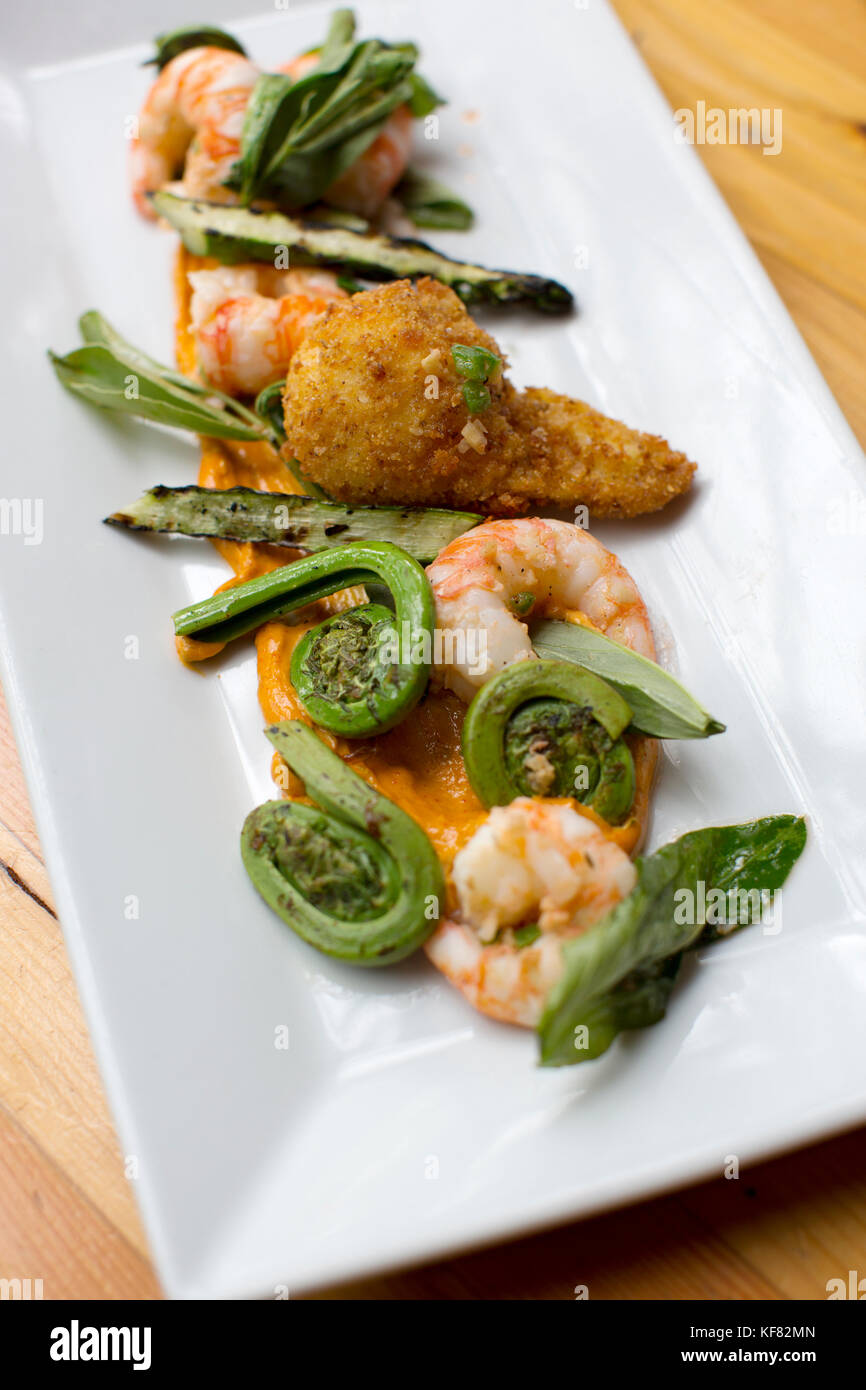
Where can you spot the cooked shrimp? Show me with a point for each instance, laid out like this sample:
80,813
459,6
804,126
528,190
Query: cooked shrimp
533,862
550,567
194,111
365,185
248,321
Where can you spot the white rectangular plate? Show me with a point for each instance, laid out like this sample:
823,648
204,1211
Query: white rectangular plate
399,1124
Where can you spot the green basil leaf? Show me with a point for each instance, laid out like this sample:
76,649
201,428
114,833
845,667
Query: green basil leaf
661,706
169,45
299,137
430,203
111,373
99,377
301,177
270,107
423,99
338,41
615,975
96,331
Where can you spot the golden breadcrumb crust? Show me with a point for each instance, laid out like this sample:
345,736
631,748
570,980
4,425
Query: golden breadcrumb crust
374,413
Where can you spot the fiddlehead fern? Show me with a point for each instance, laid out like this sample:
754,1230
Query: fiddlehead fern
549,728
345,674
353,875
345,690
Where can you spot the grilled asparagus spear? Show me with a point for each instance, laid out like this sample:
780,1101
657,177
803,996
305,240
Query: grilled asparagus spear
306,523
234,234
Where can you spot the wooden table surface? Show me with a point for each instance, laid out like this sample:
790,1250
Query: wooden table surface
67,1214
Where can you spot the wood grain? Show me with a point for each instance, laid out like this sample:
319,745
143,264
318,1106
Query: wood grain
67,1214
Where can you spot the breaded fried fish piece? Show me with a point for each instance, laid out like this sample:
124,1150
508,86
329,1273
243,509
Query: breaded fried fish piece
374,413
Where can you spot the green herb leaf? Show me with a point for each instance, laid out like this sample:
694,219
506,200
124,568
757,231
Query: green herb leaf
524,936
423,99
192,36
269,407
96,331
476,396
331,120
338,41
111,373
262,131
430,203
661,706
619,974
523,603
475,363
349,284
299,137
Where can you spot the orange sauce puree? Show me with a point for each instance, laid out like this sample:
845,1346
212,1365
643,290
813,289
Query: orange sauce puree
418,765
